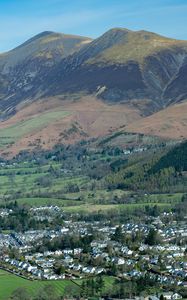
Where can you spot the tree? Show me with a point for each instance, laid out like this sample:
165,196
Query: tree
118,235
153,237
99,284
59,269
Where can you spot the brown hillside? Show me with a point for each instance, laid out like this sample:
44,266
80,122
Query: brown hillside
86,118
169,123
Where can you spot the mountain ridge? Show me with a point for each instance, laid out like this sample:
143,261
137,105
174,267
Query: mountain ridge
121,65
141,72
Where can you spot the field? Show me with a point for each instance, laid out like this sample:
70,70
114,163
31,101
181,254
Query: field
24,178
10,282
89,208
23,182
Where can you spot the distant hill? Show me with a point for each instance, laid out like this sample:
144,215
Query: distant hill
138,67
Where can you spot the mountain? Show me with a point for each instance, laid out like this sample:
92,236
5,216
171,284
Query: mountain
22,69
58,88
136,67
123,66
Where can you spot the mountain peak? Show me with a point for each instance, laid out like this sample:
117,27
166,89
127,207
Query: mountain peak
119,29
117,32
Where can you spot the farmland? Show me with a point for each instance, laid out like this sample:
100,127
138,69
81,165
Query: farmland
70,185
22,183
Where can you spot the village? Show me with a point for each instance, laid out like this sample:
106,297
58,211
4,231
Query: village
108,249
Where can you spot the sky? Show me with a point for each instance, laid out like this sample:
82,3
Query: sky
22,19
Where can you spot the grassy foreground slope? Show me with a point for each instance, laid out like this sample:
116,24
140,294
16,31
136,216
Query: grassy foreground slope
10,282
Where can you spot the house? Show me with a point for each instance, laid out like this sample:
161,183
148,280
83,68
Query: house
31,269
99,270
68,251
77,251
176,296
88,270
77,267
68,259
167,295
126,250
118,261
37,273
171,296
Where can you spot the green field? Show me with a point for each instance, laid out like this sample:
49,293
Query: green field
22,181
47,201
89,208
10,282
163,198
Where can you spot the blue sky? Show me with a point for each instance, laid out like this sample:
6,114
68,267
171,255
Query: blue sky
21,19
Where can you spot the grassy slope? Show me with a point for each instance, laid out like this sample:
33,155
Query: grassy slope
136,46
21,128
98,208
10,282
